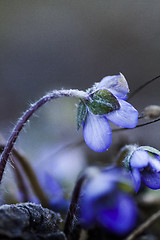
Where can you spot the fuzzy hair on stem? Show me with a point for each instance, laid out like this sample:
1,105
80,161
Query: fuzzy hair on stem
25,117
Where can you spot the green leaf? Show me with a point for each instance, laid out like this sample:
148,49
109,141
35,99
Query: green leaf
150,150
103,102
125,155
81,114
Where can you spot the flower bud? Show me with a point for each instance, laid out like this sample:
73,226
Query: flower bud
152,112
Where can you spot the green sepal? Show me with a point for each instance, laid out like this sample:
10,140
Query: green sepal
125,187
125,156
103,102
150,150
81,114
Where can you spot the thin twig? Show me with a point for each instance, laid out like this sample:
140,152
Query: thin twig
139,125
144,226
76,143
142,86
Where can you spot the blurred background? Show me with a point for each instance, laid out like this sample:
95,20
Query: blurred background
54,44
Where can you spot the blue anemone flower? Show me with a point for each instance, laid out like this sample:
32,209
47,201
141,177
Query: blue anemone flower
96,128
106,203
54,192
143,164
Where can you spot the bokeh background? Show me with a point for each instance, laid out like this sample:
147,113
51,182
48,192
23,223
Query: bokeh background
46,45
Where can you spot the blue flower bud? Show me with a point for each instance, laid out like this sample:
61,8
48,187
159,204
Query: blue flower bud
107,102
143,163
105,203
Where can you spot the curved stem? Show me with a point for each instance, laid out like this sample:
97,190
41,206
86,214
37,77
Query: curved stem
33,108
69,223
72,227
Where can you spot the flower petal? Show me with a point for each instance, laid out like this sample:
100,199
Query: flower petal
115,219
139,159
93,193
97,132
117,85
126,116
151,179
136,177
155,163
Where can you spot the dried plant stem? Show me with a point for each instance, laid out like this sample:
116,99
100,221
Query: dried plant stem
20,180
33,108
31,176
144,226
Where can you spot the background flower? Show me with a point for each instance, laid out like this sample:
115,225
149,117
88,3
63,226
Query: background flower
103,202
144,164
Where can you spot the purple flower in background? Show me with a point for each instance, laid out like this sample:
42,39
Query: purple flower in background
55,193
107,102
143,164
105,203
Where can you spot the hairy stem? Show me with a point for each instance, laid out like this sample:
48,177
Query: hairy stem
72,227
33,108
71,216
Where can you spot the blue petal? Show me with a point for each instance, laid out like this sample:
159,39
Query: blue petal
139,159
59,205
117,85
52,187
151,179
87,211
154,163
97,133
126,116
136,177
121,217
93,192
100,185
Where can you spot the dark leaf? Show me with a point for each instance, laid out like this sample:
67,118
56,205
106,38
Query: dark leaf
81,114
103,102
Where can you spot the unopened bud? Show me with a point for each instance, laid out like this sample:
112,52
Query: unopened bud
152,112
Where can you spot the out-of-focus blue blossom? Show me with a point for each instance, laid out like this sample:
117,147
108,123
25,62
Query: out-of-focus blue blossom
59,173
143,164
106,202
63,164
55,194
53,191
96,129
